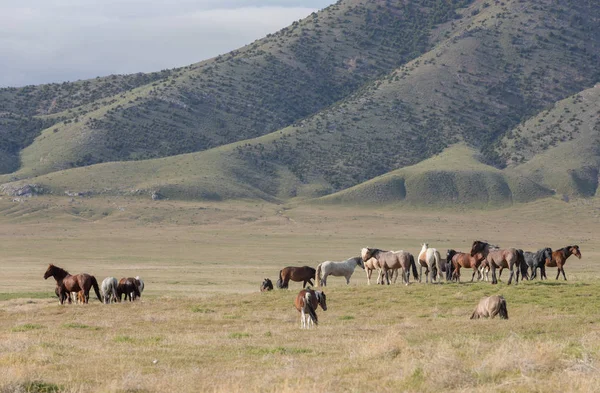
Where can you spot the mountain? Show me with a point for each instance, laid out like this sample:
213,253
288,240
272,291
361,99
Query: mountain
357,101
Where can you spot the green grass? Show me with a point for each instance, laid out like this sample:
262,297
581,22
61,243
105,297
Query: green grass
27,327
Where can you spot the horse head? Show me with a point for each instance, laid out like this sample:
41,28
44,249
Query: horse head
360,262
478,247
575,251
49,271
267,285
449,254
322,299
366,253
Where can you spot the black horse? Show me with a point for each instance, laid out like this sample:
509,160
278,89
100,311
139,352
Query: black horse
537,260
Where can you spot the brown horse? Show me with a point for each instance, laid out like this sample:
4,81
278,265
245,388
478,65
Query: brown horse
498,258
127,286
559,258
304,273
66,283
460,259
390,260
306,303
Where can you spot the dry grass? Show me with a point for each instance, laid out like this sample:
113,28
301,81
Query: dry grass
202,325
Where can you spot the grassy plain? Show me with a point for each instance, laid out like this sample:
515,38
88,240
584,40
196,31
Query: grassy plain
202,325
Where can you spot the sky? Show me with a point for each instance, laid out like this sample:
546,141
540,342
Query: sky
44,41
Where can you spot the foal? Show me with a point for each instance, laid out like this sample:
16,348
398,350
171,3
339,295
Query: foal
306,303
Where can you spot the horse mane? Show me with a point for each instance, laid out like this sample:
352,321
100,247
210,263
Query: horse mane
53,268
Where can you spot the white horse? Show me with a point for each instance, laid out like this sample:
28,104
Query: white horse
345,268
431,260
109,290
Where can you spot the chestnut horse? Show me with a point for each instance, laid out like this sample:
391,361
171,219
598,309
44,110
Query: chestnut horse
460,259
306,303
67,283
498,258
559,258
304,273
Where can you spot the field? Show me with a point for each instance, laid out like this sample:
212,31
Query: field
202,324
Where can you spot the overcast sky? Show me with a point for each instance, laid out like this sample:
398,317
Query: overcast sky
44,41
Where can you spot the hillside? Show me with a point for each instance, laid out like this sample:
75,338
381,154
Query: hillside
357,101
243,94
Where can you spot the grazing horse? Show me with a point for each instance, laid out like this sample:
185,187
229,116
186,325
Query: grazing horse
497,258
266,285
345,268
371,265
460,259
109,290
140,284
306,303
430,259
559,258
127,287
491,306
537,260
389,260
66,283
304,273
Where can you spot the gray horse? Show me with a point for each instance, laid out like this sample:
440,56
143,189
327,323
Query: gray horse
390,260
538,260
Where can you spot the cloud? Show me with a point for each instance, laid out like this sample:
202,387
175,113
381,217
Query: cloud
44,41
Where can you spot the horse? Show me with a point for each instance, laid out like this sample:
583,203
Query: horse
140,284
109,290
559,258
65,282
127,287
345,268
304,273
389,260
266,285
460,259
306,303
490,307
484,269
537,260
430,259
371,265
496,258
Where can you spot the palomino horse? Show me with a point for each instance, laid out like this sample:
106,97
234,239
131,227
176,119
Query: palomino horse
66,283
537,260
371,265
559,258
109,290
304,273
389,260
266,285
307,302
491,306
345,268
129,288
429,258
497,258
460,259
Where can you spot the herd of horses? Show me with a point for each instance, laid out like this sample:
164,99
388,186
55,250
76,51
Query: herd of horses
76,287
483,258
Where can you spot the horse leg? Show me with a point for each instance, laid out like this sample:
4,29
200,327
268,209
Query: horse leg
406,273
494,278
421,272
347,280
369,272
562,269
510,277
324,280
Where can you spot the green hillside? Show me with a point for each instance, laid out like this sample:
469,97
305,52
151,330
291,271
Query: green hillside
243,94
431,102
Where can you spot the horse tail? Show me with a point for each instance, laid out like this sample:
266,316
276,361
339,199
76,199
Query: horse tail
96,289
280,280
503,310
309,308
414,267
318,275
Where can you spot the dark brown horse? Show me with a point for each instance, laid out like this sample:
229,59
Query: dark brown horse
498,258
461,259
559,258
67,283
266,285
127,286
304,273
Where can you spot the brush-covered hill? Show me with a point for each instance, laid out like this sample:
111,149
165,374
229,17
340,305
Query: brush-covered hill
357,98
246,93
